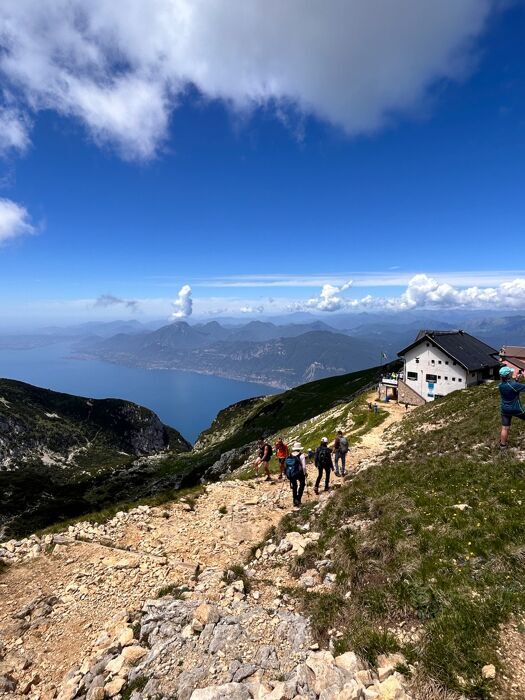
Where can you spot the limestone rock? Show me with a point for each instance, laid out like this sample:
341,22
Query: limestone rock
489,672
228,691
326,673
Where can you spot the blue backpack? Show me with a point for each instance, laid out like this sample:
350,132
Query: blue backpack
293,467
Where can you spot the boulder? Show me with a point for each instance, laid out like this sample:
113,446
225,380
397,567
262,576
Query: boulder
348,662
228,691
326,673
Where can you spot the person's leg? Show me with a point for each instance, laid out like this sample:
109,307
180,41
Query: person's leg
318,480
294,491
267,470
505,426
281,468
343,463
327,479
336,463
257,466
302,483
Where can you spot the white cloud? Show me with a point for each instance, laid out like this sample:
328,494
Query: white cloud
329,299
13,131
14,220
183,304
249,309
423,292
122,70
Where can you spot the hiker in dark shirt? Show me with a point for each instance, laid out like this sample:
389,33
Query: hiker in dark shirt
295,470
511,406
323,462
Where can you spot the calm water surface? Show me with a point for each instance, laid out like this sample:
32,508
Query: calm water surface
186,401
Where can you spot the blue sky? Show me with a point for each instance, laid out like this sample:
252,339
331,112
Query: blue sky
258,196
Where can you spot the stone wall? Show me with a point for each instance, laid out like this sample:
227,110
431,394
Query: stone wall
407,395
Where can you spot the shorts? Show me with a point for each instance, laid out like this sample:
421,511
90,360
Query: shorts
506,418
282,460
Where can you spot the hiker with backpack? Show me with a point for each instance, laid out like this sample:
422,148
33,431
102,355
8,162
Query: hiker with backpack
282,452
340,450
295,469
511,406
323,462
264,457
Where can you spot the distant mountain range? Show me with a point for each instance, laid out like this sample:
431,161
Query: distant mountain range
280,356
277,354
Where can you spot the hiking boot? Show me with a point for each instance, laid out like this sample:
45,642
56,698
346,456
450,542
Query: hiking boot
327,488
280,477
316,490
268,478
503,447
343,473
296,503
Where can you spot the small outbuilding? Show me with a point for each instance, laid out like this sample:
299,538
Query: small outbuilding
514,357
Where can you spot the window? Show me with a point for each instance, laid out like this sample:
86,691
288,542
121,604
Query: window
453,379
454,363
428,345
432,378
446,362
412,375
417,360
472,374
439,362
446,379
433,362
460,380
439,376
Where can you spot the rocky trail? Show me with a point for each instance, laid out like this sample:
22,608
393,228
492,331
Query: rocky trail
142,606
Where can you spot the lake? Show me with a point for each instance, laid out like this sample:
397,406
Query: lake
186,401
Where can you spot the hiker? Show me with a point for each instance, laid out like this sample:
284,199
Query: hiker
281,451
264,457
296,471
511,406
376,408
323,462
340,450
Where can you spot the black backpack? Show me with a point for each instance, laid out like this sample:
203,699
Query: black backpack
293,467
325,458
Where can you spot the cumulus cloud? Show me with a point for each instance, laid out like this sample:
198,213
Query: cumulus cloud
249,309
183,304
121,71
329,299
14,221
422,292
107,300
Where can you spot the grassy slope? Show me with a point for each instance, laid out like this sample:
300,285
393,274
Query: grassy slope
109,434
453,575
249,420
234,427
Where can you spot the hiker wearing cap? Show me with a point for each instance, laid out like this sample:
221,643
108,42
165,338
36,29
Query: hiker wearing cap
511,406
340,450
281,451
323,462
295,469
263,457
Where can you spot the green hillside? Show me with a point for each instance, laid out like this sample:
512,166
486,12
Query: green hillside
430,540
62,454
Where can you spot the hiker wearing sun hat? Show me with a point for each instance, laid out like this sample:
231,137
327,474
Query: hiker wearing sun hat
511,406
296,471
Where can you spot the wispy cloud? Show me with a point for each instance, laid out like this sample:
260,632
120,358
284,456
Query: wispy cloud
359,279
14,221
121,70
107,300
